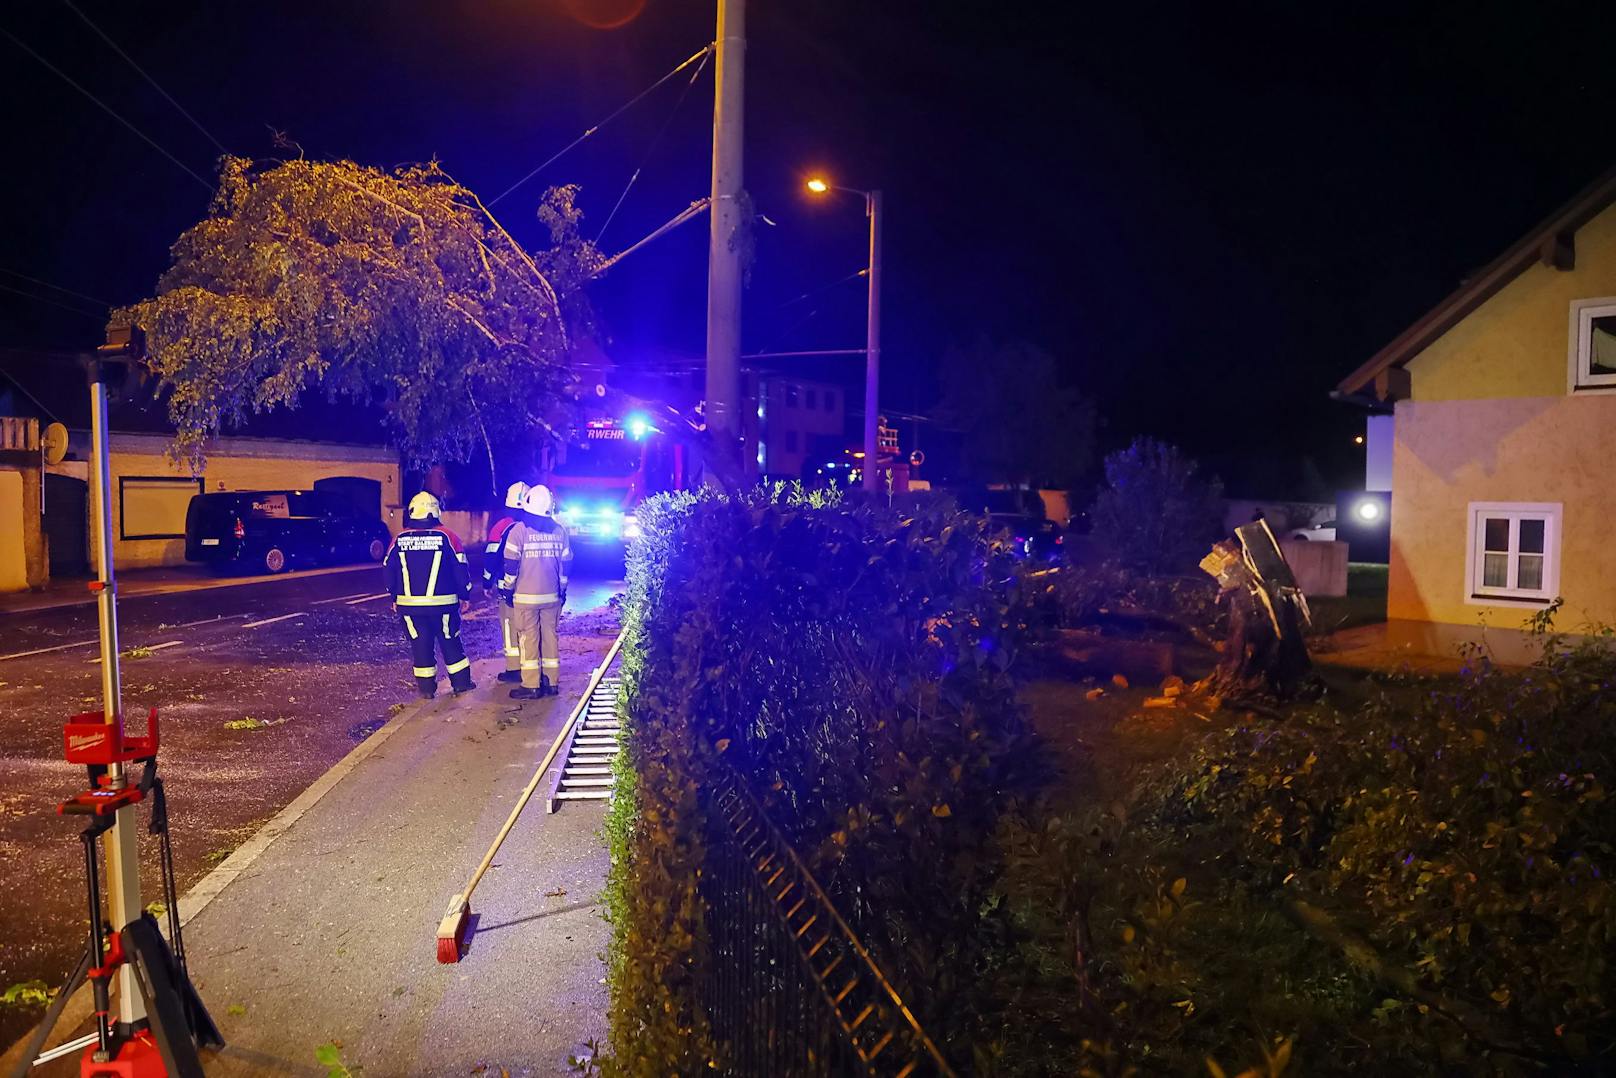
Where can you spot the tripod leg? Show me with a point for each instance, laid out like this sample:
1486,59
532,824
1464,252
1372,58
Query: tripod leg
165,851
165,1009
98,942
53,1014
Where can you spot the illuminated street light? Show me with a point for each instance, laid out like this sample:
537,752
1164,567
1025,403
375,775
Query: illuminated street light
872,325
1368,512
1358,439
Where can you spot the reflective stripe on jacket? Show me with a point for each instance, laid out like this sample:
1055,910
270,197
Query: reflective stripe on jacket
426,567
493,550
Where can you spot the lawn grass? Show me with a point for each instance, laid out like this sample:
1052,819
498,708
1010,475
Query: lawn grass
1364,603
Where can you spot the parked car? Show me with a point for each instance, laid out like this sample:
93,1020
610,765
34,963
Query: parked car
1318,533
1021,514
271,530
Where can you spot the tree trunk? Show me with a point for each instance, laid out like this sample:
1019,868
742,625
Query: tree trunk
1265,651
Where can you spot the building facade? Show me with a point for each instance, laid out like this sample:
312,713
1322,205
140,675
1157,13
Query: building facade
799,422
1503,406
150,493
47,508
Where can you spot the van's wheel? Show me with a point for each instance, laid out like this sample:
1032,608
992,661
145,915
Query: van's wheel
275,560
378,550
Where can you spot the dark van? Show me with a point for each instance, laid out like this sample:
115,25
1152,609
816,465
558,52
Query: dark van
271,530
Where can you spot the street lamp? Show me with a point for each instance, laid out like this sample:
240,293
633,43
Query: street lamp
872,328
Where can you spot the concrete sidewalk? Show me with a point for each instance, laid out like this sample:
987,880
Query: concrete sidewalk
322,929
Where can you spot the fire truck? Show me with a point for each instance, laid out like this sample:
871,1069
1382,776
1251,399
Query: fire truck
601,473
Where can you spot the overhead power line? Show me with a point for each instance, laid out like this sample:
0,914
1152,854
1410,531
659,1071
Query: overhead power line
553,158
855,275
53,287
695,209
113,45
656,140
46,299
147,139
809,352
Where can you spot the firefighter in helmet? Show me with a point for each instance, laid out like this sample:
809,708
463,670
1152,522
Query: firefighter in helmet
494,567
431,587
538,554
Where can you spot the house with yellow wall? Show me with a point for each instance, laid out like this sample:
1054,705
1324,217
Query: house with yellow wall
1503,406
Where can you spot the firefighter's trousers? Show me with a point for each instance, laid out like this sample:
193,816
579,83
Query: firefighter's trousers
507,632
536,640
430,629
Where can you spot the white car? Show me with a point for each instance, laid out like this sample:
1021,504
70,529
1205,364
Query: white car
1318,533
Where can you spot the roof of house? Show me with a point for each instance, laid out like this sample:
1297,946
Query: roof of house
1549,242
53,385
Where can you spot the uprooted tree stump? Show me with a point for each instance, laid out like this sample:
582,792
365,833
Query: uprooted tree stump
1264,654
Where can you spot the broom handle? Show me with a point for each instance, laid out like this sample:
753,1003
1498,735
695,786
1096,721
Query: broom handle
549,757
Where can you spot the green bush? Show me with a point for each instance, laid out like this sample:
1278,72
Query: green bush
1462,833
1157,512
852,663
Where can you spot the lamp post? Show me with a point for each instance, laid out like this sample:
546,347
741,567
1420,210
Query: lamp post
872,330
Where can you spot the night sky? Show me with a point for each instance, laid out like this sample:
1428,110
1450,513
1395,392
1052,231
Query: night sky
1208,213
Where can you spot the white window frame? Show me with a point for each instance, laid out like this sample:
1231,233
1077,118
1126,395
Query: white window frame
1551,513
1580,346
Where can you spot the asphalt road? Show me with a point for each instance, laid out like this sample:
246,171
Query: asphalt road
260,687
197,613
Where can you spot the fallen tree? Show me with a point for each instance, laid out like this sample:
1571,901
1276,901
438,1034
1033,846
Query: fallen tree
394,289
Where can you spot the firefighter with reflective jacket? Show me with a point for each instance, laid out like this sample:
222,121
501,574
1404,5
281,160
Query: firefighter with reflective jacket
431,585
538,554
494,567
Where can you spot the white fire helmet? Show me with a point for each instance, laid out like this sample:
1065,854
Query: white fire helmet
514,495
424,505
538,500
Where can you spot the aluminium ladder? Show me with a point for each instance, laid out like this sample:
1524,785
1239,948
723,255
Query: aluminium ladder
586,769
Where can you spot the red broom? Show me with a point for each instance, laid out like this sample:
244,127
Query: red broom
452,929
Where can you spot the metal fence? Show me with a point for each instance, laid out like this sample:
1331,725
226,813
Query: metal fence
792,990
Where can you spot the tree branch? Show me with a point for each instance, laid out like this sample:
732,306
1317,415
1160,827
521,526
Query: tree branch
493,476
455,305
379,198
544,282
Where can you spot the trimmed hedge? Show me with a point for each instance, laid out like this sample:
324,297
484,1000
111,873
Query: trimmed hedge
852,663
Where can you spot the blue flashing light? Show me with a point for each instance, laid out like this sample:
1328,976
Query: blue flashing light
638,426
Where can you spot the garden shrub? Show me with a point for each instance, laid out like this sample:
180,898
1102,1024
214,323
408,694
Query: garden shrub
1157,512
1462,830
852,663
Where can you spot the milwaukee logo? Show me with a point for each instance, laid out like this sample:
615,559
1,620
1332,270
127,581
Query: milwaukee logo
76,742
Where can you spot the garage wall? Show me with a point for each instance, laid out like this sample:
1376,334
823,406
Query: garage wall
234,464
13,563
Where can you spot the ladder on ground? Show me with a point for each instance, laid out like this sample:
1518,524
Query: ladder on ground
586,769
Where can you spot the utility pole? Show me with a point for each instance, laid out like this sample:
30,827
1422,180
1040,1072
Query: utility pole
724,237
872,348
